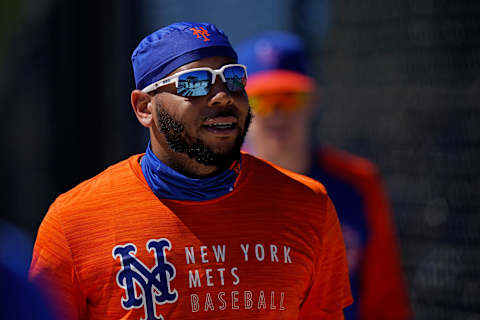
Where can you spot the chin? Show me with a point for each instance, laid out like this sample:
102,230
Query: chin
227,153
223,147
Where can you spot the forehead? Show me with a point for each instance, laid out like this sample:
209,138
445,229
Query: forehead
210,62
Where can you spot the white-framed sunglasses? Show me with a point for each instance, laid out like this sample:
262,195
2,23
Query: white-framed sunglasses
197,82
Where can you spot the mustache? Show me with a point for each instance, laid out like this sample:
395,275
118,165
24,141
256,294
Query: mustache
225,111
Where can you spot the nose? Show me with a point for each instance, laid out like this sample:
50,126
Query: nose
219,94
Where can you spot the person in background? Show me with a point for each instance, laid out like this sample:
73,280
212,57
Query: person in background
19,299
282,95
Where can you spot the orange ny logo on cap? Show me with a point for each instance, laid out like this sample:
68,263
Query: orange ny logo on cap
200,31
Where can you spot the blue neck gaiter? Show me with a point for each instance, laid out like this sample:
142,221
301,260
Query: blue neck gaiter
166,183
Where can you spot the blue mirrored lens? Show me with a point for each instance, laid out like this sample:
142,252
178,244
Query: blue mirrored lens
194,84
236,78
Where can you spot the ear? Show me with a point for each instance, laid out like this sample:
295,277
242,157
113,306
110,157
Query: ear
142,106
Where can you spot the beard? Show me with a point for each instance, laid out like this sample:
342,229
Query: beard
179,141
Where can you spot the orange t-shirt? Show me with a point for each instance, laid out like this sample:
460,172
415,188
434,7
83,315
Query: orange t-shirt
270,249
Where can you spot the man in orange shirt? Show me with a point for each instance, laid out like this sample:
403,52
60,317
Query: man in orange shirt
193,228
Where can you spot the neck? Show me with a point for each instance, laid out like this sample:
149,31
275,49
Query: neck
295,157
167,183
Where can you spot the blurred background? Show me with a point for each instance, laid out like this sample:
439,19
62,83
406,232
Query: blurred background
401,87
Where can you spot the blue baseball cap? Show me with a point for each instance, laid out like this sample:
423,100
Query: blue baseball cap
169,48
276,62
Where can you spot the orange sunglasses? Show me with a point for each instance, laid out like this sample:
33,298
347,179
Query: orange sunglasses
287,102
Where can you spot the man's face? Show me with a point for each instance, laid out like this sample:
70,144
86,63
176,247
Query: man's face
209,129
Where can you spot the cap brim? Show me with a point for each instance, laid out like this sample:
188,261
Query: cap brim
279,81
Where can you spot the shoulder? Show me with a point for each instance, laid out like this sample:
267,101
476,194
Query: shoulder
115,181
269,173
347,165
304,199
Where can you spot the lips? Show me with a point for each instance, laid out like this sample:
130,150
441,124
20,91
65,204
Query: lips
221,122
221,125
